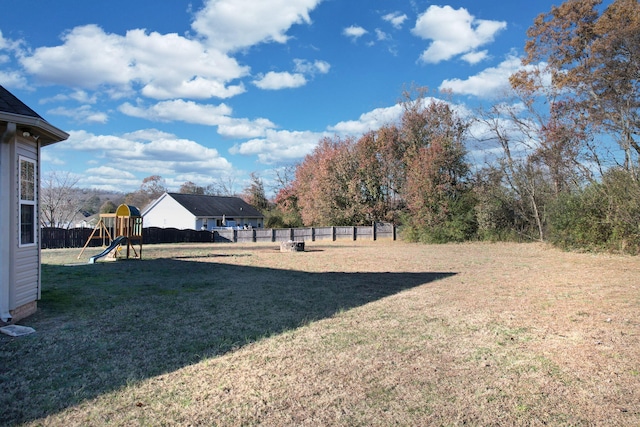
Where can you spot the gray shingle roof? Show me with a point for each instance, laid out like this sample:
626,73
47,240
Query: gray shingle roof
10,104
12,110
216,206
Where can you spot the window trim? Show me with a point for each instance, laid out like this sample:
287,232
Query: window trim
26,202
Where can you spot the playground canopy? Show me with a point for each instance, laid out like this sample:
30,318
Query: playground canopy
127,210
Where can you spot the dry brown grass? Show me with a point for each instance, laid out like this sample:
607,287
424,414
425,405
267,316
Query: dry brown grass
501,334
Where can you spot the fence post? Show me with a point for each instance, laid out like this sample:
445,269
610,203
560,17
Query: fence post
355,233
374,231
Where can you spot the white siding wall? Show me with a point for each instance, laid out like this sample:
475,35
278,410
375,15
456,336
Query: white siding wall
7,171
26,264
168,213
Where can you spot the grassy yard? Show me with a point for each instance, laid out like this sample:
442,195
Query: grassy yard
352,333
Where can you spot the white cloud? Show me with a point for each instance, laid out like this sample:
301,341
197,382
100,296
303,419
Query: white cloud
279,146
88,58
82,114
197,88
280,80
179,110
304,69
475,57
490,82
203,114
245,128
395,18
354,32
47,156
379,117
12,79
166,66
308,67
4,43
109,172
142,152
84,97
10,45
453,32
369,121
230,25
80,96
147,135
381,35
81,140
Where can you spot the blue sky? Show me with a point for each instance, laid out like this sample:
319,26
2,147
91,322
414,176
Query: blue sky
210,91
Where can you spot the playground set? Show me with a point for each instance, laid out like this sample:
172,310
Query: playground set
118,230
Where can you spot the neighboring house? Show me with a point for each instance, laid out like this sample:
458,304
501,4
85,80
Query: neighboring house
197,212
22,134
86,221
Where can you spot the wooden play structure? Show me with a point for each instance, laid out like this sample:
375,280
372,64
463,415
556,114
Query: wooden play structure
124,227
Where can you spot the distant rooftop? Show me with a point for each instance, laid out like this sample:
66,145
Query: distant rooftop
215,206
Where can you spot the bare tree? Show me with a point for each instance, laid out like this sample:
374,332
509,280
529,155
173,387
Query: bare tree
59,202
591,58
191,188
284,176
254,194
151,188
226,185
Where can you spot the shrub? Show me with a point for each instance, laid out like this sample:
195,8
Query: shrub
601,216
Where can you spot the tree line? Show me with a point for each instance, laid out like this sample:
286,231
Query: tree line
560,152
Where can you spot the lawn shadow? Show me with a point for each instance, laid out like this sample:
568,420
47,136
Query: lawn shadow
105,326
211,255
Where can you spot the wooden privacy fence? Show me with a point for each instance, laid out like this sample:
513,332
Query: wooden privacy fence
54,238
76,237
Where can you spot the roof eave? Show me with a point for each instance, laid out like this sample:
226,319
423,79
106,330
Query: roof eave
48,133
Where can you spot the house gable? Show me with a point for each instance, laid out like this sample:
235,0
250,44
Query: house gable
166,212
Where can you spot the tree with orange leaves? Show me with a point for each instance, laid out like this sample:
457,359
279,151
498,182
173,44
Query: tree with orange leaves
593,61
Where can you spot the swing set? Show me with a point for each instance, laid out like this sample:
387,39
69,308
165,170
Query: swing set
116,230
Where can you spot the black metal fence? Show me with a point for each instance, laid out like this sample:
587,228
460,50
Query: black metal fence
52,238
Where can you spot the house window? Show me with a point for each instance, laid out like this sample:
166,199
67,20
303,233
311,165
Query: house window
27,201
